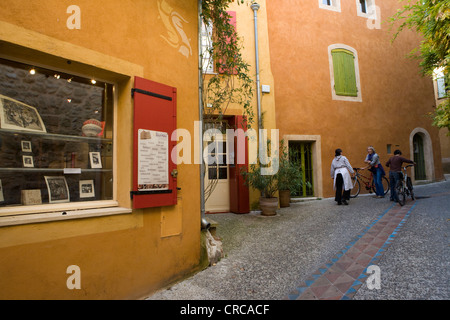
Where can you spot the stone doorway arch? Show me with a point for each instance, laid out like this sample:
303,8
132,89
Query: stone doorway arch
420,134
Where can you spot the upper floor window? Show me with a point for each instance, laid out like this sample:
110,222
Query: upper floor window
344,73
441,86
333,5
366,9
207,58
212,60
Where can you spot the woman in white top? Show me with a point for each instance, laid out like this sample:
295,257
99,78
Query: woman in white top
340,172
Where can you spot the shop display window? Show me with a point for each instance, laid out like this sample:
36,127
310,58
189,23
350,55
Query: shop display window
56,136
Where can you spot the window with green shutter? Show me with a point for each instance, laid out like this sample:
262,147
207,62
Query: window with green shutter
344,73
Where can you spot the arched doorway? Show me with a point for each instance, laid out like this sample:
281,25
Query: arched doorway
419,157
421,151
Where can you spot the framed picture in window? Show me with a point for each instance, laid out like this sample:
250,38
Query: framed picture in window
26,146
87,189
95,160
28,162
16,115
2,199
58,191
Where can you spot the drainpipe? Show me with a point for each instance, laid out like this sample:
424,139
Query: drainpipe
204,224
255,7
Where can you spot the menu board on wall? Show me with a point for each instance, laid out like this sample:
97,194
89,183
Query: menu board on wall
153,160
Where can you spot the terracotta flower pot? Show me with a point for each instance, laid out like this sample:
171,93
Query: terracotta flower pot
285,198
268,206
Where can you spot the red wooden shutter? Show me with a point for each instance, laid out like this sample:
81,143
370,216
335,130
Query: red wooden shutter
155,109
239,192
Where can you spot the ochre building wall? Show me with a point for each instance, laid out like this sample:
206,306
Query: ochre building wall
395,97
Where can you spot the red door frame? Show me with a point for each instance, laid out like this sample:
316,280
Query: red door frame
239,192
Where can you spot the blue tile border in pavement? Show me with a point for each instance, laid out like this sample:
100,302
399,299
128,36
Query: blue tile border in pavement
359,281
378,255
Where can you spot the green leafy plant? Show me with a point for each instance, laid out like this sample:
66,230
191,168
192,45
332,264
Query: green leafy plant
431,19
289,171
266,184
230,83
257,177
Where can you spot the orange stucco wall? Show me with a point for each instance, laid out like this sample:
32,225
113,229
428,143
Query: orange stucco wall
395,98
123,256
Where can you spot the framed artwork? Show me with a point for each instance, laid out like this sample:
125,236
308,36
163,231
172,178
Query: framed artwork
2,199
16,115
58,191
87,189
26,146
95,160
28,162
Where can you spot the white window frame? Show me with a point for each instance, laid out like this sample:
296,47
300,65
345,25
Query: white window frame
358,98
206,44
335,5
370,8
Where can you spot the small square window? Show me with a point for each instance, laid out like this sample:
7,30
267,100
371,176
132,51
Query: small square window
333,5
366,9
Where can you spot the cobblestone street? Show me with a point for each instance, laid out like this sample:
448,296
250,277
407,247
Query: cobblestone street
318,250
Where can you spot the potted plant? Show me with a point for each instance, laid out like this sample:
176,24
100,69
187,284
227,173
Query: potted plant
289,176
266,184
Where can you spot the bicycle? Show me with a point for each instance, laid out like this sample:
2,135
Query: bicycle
404,187
368,182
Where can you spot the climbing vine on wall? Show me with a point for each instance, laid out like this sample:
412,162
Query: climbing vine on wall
230,83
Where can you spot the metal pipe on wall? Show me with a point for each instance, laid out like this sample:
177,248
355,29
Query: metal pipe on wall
255,7
204,224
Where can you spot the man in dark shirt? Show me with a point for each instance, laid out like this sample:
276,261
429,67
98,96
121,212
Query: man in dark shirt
395,173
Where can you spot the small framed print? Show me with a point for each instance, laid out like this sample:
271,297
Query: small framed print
96,160
2,199
28,162
16,115
58,191
26,146
87,189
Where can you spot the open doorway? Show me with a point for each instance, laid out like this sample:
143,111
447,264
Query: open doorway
302,152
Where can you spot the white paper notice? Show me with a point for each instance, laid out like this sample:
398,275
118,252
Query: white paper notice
153,160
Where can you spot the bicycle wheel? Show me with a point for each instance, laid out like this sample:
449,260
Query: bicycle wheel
401,193
356,188
410,187
386,185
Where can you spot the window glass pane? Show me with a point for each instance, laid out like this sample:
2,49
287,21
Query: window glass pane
56,136
363,6
441,87
223,173
212,172
223,159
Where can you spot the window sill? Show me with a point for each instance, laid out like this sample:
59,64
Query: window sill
22,219
330,8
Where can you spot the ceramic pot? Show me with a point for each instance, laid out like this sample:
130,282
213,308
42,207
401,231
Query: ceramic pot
285,198
268,206
91,128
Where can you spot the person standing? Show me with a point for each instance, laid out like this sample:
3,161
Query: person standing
395,171
373,160
340,173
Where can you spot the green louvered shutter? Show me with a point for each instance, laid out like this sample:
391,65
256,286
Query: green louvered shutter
344,73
